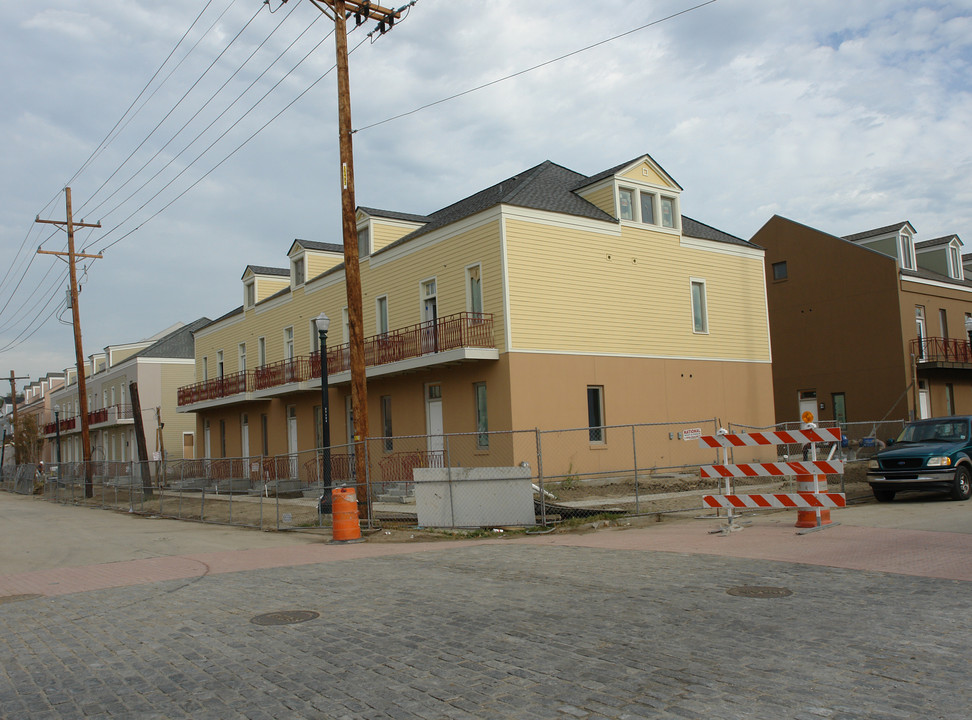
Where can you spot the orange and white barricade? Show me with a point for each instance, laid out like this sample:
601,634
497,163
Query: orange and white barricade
810,501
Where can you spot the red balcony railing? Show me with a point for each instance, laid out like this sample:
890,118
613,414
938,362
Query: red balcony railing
282,373
461,330
938,349
66,424
447,333
216,388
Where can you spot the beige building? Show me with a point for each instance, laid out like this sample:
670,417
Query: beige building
549,300
37,403
159,365
868,326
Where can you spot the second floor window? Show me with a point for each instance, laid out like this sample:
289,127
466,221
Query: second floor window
262,351
381,314
289,343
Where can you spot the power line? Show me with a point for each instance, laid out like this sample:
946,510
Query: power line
231,154
196,114
535,67
108,138
174,107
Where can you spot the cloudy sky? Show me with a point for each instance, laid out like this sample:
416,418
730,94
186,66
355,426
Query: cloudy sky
203,141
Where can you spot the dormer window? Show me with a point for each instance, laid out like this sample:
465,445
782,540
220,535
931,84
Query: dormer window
364,242
298,271
249,294
954,262
668,212
907,252
647,207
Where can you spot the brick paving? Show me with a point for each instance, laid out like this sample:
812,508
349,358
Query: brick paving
633,624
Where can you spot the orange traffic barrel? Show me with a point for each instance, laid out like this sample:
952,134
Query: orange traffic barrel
344,514
808,518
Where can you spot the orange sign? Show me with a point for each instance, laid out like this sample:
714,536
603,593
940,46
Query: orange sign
807,417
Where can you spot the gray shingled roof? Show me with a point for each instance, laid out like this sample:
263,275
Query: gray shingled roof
263,270
878,231
177,344
325,247
935,241
618,168
546,186
392,215
695,229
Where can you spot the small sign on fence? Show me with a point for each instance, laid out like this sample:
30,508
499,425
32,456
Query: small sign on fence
691,433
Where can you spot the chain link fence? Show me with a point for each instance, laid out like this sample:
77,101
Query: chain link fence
466,480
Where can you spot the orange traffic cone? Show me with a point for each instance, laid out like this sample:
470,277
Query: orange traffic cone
808,518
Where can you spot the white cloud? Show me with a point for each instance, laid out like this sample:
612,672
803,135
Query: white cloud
840,115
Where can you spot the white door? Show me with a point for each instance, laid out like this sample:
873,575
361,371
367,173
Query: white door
924,401
920,330
245,435
434,428
292,439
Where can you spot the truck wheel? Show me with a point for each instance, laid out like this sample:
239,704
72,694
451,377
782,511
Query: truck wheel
962,486
883,494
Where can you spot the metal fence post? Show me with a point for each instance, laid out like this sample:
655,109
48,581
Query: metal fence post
448,464
371,511
543,495
634,455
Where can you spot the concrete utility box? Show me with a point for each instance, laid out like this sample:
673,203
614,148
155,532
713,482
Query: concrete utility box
473,497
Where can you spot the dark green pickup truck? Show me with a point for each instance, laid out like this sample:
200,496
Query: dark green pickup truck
934,454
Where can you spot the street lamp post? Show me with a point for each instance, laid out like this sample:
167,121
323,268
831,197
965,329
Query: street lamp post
323,322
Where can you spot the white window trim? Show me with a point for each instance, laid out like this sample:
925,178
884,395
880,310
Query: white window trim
657,194
241,357
423,296
705,305
378,329
248,288
482,296
955,256
293,347
261,351
294,261
907,251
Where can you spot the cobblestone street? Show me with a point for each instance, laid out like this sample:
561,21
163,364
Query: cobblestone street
533,629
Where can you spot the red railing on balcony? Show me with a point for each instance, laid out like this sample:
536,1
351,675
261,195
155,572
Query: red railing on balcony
282,373
938,349
98,416
461,330
216,388
66,424
447,333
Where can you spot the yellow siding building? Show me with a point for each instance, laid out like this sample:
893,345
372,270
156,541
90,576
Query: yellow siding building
550,300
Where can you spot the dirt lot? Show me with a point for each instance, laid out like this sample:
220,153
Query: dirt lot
624,503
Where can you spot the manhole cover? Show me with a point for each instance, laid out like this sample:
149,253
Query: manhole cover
759,591
284,617
17,598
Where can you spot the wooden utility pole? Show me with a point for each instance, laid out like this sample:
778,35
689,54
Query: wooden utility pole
352,272
143,461
13,401
72,256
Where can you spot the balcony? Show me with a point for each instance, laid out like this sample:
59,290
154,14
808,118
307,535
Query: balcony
945,353
114,415
216,388
66,424
454,338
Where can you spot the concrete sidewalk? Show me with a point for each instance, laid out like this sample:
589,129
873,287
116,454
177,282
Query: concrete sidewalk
182,550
